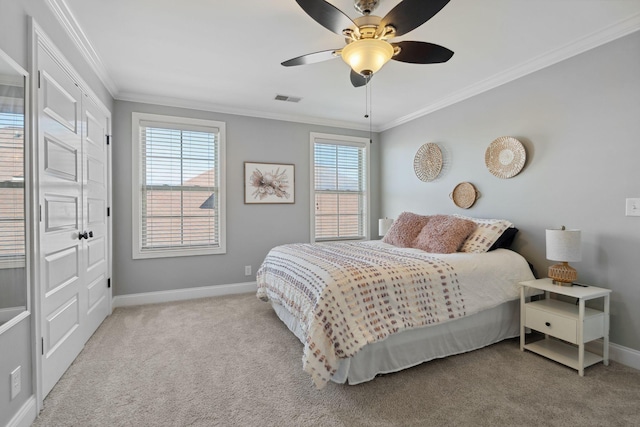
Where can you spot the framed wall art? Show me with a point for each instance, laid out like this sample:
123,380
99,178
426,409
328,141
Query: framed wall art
269,183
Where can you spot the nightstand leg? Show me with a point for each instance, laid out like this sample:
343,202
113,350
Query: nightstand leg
522,301
581,337
605,340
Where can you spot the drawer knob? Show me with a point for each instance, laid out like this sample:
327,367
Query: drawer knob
547,323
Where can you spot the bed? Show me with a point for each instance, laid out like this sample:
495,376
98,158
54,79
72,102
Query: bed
368,308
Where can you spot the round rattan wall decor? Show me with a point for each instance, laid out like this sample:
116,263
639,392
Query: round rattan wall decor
464,195
428,162
505,157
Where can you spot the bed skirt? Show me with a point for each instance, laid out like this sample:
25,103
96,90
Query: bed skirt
412,347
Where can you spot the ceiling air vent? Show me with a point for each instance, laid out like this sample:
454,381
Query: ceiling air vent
287,98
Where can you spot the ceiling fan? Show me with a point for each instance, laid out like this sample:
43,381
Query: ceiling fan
367,48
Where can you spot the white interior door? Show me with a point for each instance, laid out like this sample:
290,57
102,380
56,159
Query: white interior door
73,238
95,197
60,196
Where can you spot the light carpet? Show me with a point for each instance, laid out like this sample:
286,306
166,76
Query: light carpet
229,361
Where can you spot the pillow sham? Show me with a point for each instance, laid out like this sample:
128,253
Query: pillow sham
405,229
505,240
444,234
485,235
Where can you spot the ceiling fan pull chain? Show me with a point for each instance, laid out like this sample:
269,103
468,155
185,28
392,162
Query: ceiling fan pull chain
369,92
366,101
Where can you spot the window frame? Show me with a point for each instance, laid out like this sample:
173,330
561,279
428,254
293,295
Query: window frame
353,141
137,181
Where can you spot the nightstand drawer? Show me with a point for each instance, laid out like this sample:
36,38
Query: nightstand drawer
562,327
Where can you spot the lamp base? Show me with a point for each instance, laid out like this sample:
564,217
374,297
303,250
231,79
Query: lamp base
563,274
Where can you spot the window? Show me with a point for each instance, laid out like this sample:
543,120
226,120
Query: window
339,187
12,239
178,197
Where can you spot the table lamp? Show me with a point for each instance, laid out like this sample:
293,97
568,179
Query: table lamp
563,245
384,224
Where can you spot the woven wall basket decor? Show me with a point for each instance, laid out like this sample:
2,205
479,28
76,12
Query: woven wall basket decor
505,157
464,195
428,162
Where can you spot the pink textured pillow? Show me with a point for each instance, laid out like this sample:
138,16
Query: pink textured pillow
405,229
444,234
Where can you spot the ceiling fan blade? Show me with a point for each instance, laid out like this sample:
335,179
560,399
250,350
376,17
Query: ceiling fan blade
358,79
311,58
421,53
326,15
410,14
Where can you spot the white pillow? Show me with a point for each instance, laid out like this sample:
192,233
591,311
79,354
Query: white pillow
485,234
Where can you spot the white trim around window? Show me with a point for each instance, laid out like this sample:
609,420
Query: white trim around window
186,190
343,184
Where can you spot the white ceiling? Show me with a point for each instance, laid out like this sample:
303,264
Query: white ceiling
225,55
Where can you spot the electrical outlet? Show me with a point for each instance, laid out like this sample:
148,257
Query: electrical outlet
633,207
16,383
247,270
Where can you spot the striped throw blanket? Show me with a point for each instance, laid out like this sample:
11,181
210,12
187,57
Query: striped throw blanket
348,295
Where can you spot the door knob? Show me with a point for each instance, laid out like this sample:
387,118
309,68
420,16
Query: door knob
83,236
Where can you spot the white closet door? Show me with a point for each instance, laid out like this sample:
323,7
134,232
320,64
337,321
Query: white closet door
60,192
95,193
73,239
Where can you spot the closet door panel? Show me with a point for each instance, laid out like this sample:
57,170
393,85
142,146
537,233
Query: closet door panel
60,196
60,100
95,213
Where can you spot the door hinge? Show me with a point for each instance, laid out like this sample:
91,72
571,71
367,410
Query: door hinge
40,213
108,211
109,282
42,345
108,139
38,79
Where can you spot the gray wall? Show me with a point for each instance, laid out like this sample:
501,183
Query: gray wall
580,123
15,344
251,229
15,350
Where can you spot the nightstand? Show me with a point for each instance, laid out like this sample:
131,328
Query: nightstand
564,323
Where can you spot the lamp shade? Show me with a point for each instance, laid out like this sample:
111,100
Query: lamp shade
384,224
563,245
367,56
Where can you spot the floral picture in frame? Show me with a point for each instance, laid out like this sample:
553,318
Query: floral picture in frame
269,183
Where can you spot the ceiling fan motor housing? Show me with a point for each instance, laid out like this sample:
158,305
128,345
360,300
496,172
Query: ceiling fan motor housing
365,7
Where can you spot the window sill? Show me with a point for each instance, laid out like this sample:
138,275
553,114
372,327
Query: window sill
173,253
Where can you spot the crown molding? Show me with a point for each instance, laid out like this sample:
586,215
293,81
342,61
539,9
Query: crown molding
620,29
206,106
69,23
583,44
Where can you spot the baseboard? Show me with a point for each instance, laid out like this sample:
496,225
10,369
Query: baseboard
623,355
183,294
26,415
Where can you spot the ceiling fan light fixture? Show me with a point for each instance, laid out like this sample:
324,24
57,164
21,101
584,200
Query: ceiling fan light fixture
367,56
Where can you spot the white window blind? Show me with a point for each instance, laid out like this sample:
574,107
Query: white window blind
12,237
340,189
180,196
